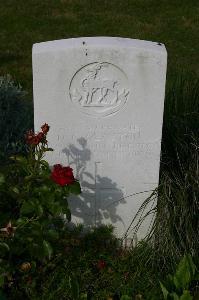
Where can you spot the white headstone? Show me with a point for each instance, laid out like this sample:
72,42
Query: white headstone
103,98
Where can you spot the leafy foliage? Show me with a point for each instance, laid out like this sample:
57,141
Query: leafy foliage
177,286
32,210
15,117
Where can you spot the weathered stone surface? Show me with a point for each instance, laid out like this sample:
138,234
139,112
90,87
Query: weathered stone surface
103,98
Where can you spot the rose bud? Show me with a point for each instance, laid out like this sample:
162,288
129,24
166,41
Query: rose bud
45,128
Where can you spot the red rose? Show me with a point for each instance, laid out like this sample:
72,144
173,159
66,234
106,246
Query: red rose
101,264
45,128
34,139
62,175
40,136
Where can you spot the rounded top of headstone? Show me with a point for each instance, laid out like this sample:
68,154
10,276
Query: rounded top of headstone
98,41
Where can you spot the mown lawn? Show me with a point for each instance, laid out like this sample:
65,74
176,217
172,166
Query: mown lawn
25,22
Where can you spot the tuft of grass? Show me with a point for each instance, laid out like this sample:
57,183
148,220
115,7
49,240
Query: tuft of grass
175,231
177,225
181,121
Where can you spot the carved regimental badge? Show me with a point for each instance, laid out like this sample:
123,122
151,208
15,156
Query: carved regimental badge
99,89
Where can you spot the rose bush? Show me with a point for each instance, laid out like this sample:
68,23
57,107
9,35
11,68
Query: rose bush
33,211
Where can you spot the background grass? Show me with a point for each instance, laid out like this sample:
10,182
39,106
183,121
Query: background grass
25,22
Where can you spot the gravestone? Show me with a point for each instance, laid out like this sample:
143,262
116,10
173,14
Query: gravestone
103,98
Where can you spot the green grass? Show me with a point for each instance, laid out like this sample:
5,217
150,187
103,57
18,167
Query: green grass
23,23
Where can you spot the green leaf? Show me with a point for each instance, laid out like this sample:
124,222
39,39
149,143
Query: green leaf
48,149
183,274
47,249
52,234
15,190
164,291
55,208
44,163
186,295
32,207
19,158
75,188
21,221
192,266
27,208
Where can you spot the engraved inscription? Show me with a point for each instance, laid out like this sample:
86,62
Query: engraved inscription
99,89
107,142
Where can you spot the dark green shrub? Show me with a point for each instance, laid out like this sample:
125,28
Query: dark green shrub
16,116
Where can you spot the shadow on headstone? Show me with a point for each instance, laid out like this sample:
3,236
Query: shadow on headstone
97,204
